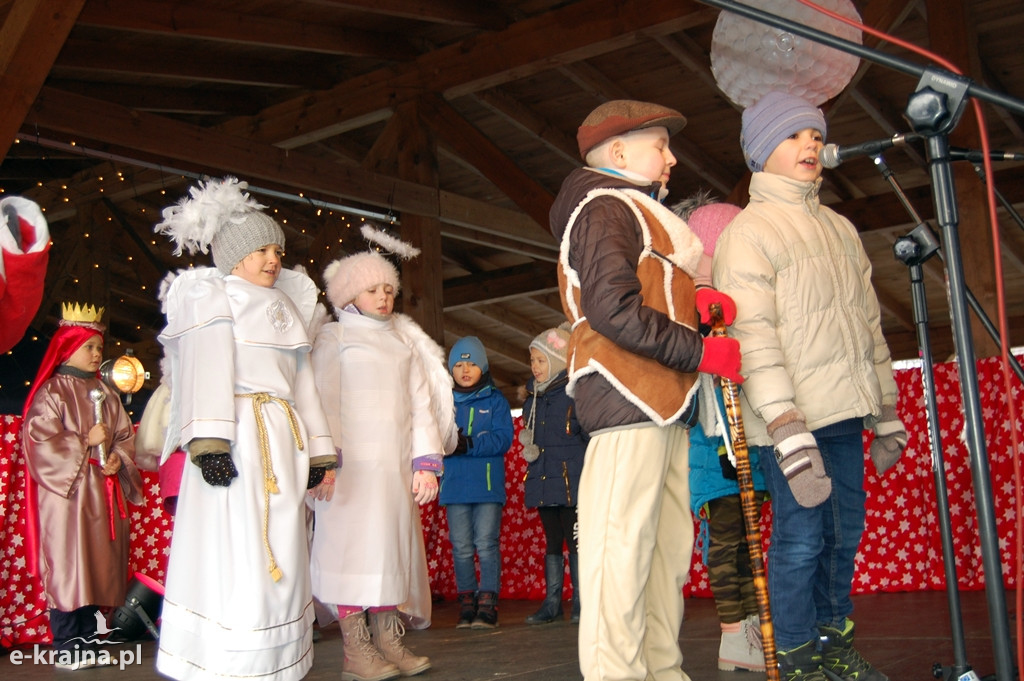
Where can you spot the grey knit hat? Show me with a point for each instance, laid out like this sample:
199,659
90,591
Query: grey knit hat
219,215
554,343
774,117
242,235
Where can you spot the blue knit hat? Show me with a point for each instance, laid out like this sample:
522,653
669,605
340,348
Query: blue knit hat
468,349
774,117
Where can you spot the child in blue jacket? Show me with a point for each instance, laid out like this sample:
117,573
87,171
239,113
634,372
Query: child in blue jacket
473,486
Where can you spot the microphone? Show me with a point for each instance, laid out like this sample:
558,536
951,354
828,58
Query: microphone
976,155
831,155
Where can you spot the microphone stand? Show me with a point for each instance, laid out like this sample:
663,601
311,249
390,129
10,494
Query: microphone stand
933,110
913,250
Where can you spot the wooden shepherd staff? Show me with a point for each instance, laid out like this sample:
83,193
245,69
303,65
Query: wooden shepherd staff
751,511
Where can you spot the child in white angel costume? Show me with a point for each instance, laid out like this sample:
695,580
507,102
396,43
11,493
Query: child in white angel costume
388,400
244,407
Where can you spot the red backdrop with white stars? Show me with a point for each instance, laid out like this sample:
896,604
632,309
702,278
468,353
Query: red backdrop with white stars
901,549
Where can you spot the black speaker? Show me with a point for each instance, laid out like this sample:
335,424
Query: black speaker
137,617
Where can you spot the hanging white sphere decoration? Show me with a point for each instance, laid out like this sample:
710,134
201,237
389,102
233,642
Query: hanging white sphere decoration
750,59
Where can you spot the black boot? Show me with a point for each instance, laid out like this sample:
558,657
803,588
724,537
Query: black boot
840,660
574,577
486,610
802,663
467,609
551,608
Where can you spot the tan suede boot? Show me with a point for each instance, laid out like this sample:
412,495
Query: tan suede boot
387,630
363,662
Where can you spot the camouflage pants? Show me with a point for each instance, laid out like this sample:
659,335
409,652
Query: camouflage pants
728,562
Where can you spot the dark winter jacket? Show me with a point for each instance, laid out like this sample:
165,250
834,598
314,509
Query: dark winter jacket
478,475
604,247
554,478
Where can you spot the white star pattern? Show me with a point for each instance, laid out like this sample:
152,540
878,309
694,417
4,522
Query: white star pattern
901,548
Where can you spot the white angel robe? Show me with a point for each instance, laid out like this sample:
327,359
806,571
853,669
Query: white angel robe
368,545
224,616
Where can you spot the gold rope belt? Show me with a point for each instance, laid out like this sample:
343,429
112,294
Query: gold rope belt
269,479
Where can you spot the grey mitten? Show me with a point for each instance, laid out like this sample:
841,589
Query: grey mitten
800,460
890,440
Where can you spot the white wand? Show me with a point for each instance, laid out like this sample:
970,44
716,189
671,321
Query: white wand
97,396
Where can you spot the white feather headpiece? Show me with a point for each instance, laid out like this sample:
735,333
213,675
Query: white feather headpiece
194,221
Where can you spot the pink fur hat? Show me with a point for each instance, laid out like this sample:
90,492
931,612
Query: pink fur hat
348,277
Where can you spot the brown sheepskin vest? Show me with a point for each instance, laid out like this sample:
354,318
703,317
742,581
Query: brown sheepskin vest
661,392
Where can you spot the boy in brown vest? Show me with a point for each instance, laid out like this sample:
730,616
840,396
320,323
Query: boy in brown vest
626,273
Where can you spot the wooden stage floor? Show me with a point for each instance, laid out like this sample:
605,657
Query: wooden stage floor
903,634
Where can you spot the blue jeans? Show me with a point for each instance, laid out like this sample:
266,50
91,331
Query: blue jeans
474,529
815,546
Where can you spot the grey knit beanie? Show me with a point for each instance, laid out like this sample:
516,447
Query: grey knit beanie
774,117
554,343
242,234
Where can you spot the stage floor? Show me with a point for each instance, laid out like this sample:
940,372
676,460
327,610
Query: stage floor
903,634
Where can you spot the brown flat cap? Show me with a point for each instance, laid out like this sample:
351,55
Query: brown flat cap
620,116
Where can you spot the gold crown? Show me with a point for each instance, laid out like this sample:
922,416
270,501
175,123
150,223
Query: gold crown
82,314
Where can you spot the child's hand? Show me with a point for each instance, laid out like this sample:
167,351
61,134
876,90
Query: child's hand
706,297
424,487
112,465
324,490
721,358
98,434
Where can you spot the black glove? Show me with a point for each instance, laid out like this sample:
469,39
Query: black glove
218,469
316,476
465,442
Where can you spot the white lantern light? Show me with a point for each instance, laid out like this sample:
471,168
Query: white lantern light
750,59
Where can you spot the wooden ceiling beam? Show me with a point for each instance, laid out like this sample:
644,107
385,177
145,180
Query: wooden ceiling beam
486,157
695,60
530,122
511,282
151,134
475,236
570,33
471,13
188,66
501,312
30,39
490,219
245,28
164,99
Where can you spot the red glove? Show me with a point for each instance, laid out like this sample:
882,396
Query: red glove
706,296
721,357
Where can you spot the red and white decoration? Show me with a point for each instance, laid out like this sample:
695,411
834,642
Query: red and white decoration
901,549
